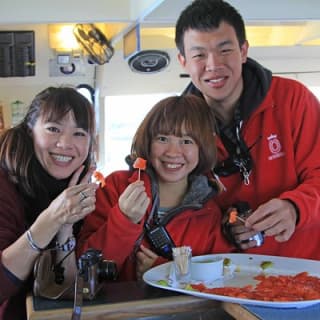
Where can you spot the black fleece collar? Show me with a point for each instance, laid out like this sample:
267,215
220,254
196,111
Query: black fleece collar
256,80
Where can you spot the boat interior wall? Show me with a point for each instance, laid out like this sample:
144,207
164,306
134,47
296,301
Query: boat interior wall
24,88
286,41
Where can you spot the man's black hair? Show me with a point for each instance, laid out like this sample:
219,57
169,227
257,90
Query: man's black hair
205,15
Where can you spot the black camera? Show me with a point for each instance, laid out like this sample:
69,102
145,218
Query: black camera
244,211
94,270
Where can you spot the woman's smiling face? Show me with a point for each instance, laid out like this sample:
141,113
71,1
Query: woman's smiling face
174,158
61,147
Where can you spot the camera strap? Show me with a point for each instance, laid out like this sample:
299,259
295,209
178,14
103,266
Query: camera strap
78,297
238,151
153,210
148,222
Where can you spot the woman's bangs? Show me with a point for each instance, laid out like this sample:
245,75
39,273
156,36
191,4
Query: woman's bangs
52,111
82,117
172,125
56,110
189,127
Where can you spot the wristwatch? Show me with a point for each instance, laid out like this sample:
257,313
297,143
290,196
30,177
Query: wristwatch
69,245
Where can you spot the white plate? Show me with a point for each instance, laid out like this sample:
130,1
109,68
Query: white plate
247,266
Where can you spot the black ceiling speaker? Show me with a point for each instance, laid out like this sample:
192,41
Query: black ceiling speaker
149,61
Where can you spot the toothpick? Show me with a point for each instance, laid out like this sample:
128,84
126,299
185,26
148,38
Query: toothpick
241,219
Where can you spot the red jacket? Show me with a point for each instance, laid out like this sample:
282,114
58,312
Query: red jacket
286,162
109,230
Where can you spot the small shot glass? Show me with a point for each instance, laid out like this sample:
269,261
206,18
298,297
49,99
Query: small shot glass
182,264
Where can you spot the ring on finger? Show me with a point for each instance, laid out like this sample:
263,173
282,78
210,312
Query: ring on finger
82,196
83,205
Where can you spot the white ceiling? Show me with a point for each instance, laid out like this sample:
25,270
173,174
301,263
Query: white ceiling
149,11
158,17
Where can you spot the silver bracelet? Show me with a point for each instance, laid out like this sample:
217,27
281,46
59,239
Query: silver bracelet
32,243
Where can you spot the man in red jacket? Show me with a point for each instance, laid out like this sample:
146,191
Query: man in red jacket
268,128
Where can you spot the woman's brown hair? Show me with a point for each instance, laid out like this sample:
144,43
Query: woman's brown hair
168,117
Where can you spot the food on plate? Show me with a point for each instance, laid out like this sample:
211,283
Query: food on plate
226,262
165,283
189,287
229,268
284,288
162,283
100,178
266,264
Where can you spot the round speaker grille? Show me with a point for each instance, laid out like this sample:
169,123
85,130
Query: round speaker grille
149,61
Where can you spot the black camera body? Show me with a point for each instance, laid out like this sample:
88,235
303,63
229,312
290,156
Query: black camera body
244,212
243,209
95,270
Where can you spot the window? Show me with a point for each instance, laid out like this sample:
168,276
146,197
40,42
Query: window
86,91
316,91
123,114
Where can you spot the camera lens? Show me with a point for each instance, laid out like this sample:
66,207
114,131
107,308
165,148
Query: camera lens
259,238
107,270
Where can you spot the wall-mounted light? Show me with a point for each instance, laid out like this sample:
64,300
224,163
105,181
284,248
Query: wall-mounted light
67,51
61,37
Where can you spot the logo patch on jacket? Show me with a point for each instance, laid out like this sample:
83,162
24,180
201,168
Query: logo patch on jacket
274,147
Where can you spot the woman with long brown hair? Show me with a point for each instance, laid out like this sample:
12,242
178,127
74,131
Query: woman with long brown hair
45,169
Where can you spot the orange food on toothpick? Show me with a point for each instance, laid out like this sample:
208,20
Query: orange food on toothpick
99,177
140,164
233,216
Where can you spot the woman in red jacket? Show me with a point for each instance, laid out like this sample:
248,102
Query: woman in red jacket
173,194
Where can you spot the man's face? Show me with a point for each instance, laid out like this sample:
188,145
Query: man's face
214,61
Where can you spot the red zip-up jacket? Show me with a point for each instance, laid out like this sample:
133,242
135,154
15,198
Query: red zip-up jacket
285,129
109,230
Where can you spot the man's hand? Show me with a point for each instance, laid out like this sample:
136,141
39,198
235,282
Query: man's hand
276,218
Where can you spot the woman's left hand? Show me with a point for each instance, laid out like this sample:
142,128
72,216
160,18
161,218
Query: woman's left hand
75,202
145,260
